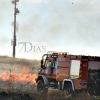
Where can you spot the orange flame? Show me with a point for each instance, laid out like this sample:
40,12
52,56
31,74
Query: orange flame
24,78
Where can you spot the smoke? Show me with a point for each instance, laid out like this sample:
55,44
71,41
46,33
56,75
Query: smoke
6,11
55,23
6,18
58,22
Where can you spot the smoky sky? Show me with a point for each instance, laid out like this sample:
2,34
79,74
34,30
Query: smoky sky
55,23
6,19
61,22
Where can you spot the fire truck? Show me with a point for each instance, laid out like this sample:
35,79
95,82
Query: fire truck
71,73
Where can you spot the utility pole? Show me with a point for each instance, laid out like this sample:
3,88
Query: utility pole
16,11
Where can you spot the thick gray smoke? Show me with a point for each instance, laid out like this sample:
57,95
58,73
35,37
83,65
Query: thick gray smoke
58,22
54,23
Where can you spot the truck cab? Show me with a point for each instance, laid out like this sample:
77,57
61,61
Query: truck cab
67,72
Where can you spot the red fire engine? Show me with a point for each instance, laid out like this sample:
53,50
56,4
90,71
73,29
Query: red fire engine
70,73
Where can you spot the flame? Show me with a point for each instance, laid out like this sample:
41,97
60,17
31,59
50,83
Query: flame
24,77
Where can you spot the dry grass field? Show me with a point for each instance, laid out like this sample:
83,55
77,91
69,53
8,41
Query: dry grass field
17,82
9,63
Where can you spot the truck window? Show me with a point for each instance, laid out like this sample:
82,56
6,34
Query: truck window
93,70
55,64
47,64
75,67
94,65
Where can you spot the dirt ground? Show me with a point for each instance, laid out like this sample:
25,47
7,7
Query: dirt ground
38,96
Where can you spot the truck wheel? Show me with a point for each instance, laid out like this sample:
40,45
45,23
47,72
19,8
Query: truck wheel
41,87
68,92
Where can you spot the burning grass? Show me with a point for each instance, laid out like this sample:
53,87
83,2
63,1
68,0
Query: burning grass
17,75
24,77
18,83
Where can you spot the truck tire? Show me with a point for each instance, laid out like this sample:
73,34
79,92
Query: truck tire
41,86
68,91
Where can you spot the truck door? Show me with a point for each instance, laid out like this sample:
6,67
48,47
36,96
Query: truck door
54,69
63,68
47,68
